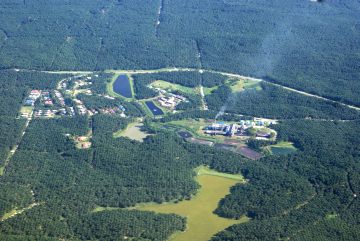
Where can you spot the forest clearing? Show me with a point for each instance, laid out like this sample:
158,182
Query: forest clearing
202,223
132,131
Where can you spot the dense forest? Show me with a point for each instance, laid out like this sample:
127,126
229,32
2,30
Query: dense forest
329,162
99,102
293,42
57,191
65,190
10,130
13,89
14,86
276,102
68,183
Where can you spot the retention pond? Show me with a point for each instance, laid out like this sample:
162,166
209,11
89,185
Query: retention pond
122,86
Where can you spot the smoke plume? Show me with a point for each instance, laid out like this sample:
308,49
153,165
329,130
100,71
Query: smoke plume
231,101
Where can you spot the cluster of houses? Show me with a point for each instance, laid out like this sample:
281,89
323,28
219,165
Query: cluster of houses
168,99
49,113
26,115
112,111
33,96
60,97
171,100
108,111
82,110
71,111
44,113
48,107
46,104
63,85
81,83
70,85
46,99
120,110
236,129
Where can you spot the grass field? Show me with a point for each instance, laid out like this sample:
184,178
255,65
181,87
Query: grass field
171,87
26,109
202,223
282,148
208,90
203,170
242,84
195,127
132,131
251,84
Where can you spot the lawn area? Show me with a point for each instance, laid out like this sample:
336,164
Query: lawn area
282,148
203,170
26,109
191,124
172,87
208,90
132,131
196,128
202,223
251,84
242,84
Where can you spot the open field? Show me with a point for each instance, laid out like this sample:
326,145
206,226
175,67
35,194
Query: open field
237,84
26,109
282,148
202,223
203,170
132,131
195,127
172,87
242,84
251,84
208,90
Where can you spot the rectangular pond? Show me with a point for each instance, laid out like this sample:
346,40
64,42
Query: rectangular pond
153,108
122,86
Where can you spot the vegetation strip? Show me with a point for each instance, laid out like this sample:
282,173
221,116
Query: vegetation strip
205,70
